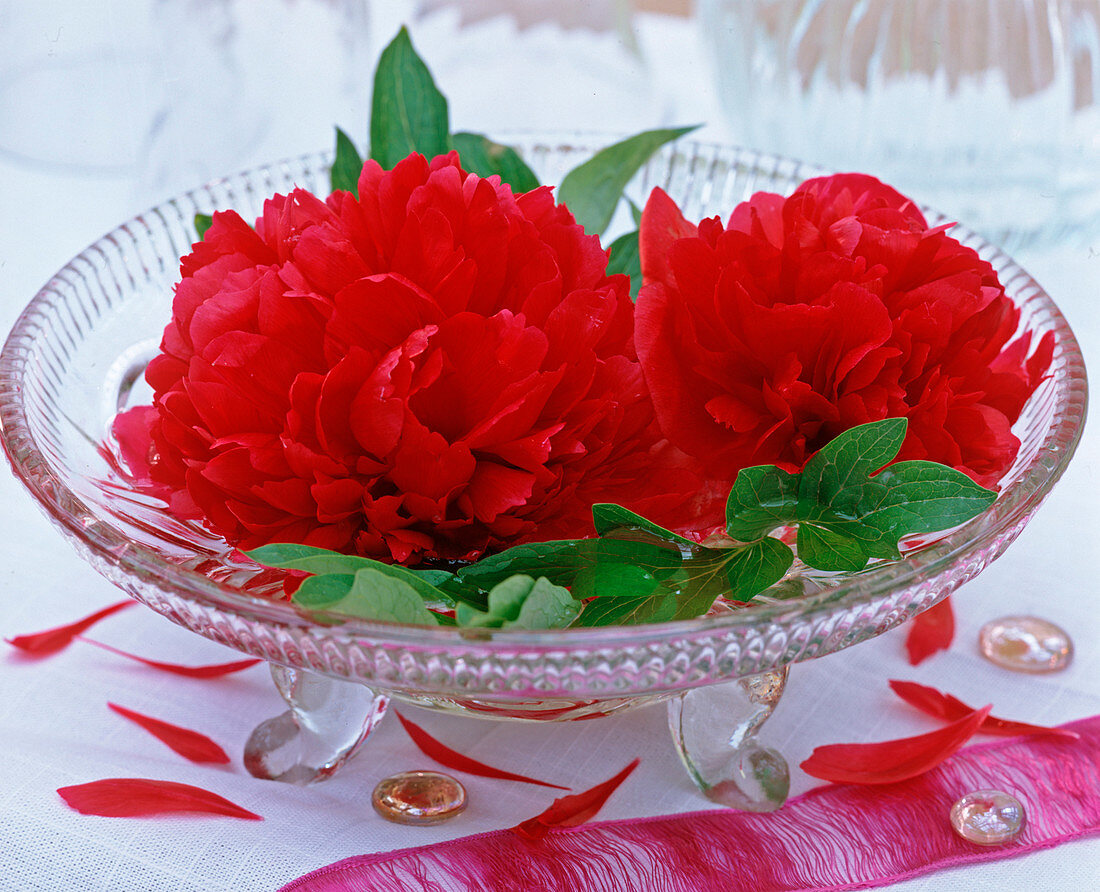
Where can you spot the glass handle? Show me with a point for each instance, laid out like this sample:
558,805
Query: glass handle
714,730
327,722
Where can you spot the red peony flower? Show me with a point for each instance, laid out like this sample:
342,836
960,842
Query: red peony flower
436,368
763,339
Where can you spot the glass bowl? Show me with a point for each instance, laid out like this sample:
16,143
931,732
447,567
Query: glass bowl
75,358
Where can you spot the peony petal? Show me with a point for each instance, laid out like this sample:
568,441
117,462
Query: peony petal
212,671
444,755
190,744
892,760
930,631
569,811
663,224
131,797
944,706
52,640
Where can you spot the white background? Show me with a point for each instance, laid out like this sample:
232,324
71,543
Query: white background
55,728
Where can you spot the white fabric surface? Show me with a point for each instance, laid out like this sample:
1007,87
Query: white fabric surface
55,728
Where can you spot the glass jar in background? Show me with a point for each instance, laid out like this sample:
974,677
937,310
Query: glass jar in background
78,85
988,110
246,81
522,65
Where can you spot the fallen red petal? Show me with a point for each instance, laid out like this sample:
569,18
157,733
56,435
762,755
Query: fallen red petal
444,755
50,641
132,797
213,671
944,706
930,631
569,811
190,744
892,760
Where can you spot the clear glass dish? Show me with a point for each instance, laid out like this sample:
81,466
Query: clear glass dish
75,358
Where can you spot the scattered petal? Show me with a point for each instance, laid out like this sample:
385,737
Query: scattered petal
444,755
190,744
944,706
892,760
213,671
569,811
930,631
131,797
50,641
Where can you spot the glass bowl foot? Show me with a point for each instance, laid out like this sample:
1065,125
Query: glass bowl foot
327,722
714,730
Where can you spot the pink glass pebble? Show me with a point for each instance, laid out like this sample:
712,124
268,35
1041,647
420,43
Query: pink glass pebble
419,797
988,817
1025,644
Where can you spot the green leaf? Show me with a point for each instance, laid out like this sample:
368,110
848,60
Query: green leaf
561,561
756,567
376,596
850,458
845,515
408,113
346,166
614,580
762,498
307,558
657,608
202,223
319,591
592,190
828,550
521,602
482,156
626,258
607,516
915,497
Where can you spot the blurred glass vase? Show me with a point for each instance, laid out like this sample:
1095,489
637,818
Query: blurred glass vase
988,110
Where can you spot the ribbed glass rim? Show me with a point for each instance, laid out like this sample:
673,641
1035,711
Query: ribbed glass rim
106,545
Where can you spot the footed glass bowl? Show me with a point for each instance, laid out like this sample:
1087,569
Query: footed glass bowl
76,357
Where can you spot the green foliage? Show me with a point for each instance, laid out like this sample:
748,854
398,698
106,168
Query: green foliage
408,113
482,156
592,191
845,512
202,222
521,602
347,165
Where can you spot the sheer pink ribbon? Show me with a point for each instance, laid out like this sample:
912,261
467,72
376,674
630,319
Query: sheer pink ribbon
833,837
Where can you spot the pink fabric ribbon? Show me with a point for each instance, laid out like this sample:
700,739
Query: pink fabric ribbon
833,837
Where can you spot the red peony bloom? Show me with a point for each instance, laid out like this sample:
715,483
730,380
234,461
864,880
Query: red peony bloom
433,369
763,339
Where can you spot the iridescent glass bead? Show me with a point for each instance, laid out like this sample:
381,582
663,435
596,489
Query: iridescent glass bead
988,817
419,797
1025,644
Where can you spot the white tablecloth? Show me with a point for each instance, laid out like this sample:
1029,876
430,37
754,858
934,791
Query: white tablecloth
55,728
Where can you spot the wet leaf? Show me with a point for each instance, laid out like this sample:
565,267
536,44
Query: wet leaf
521,602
